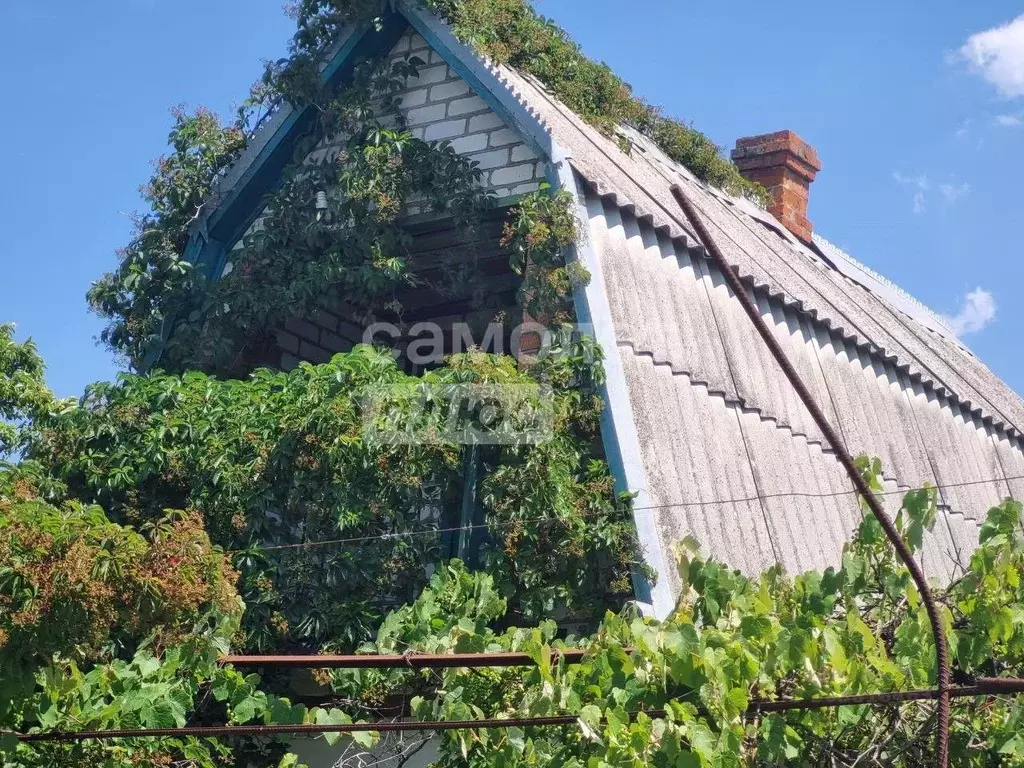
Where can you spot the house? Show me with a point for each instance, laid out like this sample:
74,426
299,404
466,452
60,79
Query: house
700,422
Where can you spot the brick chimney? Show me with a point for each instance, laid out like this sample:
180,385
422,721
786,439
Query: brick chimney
785,165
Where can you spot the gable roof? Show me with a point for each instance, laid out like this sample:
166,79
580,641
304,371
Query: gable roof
837,292
825,283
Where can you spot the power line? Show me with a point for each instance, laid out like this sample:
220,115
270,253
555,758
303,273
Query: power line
671,505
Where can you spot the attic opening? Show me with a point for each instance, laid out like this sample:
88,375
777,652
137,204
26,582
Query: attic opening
463,298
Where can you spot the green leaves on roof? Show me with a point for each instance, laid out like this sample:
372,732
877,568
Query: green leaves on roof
512,32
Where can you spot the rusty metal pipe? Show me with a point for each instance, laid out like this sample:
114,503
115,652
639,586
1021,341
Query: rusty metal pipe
405,661
737,287
980,687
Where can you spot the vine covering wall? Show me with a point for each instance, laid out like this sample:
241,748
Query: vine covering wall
142,513
158,303
336,222
283,459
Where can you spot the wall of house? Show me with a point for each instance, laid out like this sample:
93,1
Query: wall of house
719,421
438,105
462,317
319,337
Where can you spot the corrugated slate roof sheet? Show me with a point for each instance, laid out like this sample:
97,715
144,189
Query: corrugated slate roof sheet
715,417
771,260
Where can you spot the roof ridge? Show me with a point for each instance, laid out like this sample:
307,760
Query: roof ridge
833,250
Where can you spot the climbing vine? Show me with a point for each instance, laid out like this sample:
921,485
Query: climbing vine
103,625
854,628
538,232
154,283
335,219
280,460
512,32
334,222
23,395
134,520
286,458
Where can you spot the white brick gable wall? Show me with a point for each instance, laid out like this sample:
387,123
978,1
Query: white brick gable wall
440,106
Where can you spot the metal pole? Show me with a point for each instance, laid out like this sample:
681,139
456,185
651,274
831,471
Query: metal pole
941,648
981,687
406,661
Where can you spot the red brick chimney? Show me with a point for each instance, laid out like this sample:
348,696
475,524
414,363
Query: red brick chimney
785,165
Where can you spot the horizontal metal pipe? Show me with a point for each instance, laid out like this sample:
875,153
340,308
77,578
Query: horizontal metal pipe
405,661
983,686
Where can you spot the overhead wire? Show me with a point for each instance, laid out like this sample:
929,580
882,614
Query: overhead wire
433,531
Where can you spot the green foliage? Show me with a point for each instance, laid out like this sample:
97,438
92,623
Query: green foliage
116,618
454,614
157,302
102,627
23,393
512,32
284,458
153,282
75,584
854,629
296,77
182,685
539,230
332,228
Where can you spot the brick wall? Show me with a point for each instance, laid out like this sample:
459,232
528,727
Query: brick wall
318,338
438,106
330,330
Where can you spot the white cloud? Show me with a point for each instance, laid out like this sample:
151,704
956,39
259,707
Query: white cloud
920,185
953,192
1009,121
977,311
920,181
965,129
923,188
997,55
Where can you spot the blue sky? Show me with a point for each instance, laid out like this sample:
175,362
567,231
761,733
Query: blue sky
918,118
